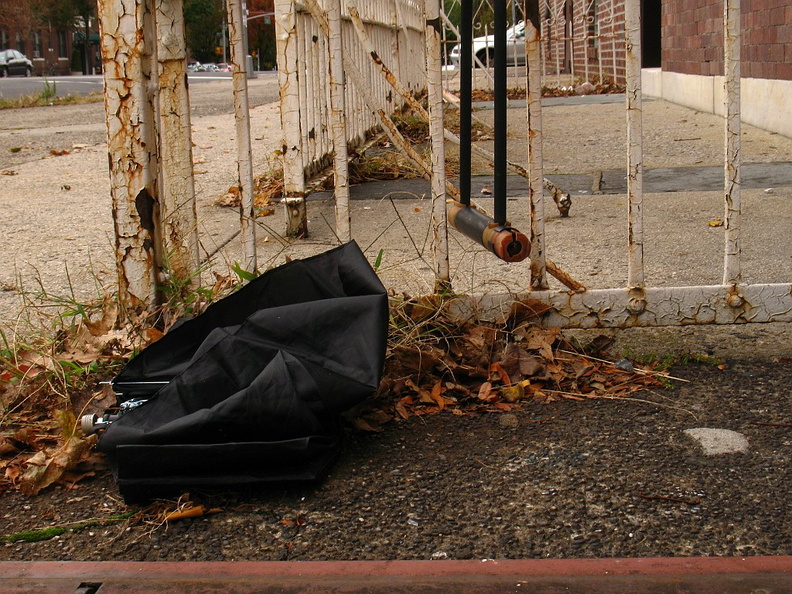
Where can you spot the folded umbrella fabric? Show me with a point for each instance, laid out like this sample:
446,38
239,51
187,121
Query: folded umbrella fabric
250,391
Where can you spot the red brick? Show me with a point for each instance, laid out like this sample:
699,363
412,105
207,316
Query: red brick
785,71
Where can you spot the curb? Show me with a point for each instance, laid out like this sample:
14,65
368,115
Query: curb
656,575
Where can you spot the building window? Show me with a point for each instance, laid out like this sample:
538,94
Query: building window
21,43
62,50
3,40
36,38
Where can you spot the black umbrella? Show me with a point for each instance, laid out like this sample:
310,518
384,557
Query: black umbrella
250,391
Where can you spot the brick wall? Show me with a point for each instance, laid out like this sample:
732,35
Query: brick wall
583,38
692,32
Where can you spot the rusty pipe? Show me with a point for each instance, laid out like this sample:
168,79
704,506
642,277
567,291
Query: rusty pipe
502,240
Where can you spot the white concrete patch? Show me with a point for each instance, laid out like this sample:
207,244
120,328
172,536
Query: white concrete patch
718,441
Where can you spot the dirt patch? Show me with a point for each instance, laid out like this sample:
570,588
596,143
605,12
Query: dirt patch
567,479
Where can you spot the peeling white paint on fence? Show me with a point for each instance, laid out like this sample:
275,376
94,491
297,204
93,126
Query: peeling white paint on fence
635,234
626,308
177,187
533,59
128,60
434,78
242,120
321,45
392,28
731,35
338,121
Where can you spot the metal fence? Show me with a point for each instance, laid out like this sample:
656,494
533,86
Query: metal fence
592,38
317,106
322,44
582,40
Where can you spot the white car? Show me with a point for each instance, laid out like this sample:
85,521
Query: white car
484,48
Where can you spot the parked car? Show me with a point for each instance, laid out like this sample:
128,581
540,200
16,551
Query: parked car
223,67
194,67
14,62
484,47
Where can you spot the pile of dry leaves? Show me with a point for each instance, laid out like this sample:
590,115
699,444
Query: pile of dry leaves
437,364
44,386
434,364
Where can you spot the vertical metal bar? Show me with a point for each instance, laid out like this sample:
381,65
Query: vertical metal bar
338,123
242,120
613,37
465,98
391,78
177,184
533,58
598,24
128,50
286,43
475,58
434,81
586,43
731,60
635,239
501,113
571,41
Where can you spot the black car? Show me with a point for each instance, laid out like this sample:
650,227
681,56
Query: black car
14,62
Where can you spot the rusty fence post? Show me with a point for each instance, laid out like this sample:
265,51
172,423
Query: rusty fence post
635,235
338,122
177,184
242,119
731,61
434,82
292,150
128,66
533,60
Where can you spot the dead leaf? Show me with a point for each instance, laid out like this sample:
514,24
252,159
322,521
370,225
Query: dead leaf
716,222
58,153
43,470
513,393
401,409
153,335
6,447
498,369
436,395
12,473
108,320
69,480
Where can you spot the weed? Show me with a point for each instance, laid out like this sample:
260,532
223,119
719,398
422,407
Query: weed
378,261
48,97
666,361
49,92
53,531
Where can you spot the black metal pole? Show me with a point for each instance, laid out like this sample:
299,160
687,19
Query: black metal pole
465,93
501,125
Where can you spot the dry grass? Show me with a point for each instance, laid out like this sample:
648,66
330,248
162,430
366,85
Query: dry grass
45,99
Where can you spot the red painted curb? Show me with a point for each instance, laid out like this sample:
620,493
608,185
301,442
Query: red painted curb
485,567
658,575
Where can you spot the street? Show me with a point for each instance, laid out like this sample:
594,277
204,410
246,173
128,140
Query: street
30,134
19,86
